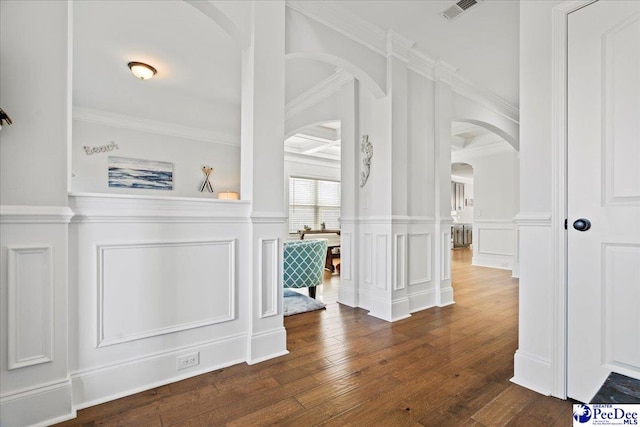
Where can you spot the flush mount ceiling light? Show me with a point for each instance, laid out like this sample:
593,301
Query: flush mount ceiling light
141,70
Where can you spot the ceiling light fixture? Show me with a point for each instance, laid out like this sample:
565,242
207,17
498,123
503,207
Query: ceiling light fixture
141,70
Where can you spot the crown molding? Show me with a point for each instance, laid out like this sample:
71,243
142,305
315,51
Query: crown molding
317,93
399,46
106,118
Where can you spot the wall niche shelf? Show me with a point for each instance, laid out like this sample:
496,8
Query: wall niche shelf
96,207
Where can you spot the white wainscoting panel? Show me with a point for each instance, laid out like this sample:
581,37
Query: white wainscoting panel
445,247
381,261
495,241
400,262
150,289
269,277
419,258
621,297
346,255
30,305
368,257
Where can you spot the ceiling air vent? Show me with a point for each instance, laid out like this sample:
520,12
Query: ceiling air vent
457,9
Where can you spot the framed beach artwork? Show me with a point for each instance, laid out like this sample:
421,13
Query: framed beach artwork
136,173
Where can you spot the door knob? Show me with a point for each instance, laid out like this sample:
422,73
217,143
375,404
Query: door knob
582,224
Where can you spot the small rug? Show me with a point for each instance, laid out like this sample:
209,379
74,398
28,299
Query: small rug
618,389
296,303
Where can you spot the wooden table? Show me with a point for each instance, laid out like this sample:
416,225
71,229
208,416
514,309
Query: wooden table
302,233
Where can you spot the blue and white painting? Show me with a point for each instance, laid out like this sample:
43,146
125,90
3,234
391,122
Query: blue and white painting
137,173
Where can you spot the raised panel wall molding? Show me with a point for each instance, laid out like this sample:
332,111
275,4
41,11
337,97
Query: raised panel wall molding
139,283
346,254
381,261
419,248
108,208
269,274
400,261
368,257
30,305
18,214
445,258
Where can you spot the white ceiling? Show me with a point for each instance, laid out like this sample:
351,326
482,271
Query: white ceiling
483,42
198,80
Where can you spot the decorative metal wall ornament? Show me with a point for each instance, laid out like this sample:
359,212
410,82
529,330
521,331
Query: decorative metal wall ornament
206,170
367,150
101,149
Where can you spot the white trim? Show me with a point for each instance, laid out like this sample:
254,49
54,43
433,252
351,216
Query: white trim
16,306
486,150
559,143
269,306
106,118
532,219
311,160
22,214
317,93
42,405
104,341
269,217
126,208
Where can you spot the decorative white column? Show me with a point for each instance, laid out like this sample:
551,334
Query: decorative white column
442,138
35,387
389,299
262,163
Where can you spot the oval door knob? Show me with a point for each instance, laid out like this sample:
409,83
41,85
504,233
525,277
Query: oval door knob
582,224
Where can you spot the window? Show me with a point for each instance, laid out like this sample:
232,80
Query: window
313,201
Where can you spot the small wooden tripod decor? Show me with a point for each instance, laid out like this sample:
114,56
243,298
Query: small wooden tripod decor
206,170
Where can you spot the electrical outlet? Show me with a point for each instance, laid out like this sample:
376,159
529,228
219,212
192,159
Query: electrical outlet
187,361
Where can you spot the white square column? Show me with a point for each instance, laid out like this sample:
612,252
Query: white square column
262,163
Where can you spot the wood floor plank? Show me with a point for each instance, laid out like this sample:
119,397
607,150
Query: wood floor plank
445,366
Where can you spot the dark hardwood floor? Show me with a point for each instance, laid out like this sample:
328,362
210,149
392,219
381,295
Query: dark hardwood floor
445,366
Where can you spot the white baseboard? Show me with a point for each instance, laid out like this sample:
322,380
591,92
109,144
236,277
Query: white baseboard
423,300
532,372
94,386
502,262
391,311
267,345
40,406
446,295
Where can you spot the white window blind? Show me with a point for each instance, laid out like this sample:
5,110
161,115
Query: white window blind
313,201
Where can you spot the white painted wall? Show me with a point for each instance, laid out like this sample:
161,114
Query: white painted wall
187,155
496,197
33,151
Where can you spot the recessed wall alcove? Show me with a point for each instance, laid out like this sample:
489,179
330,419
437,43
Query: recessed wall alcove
186,117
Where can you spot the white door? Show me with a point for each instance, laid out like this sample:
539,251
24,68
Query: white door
604,188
